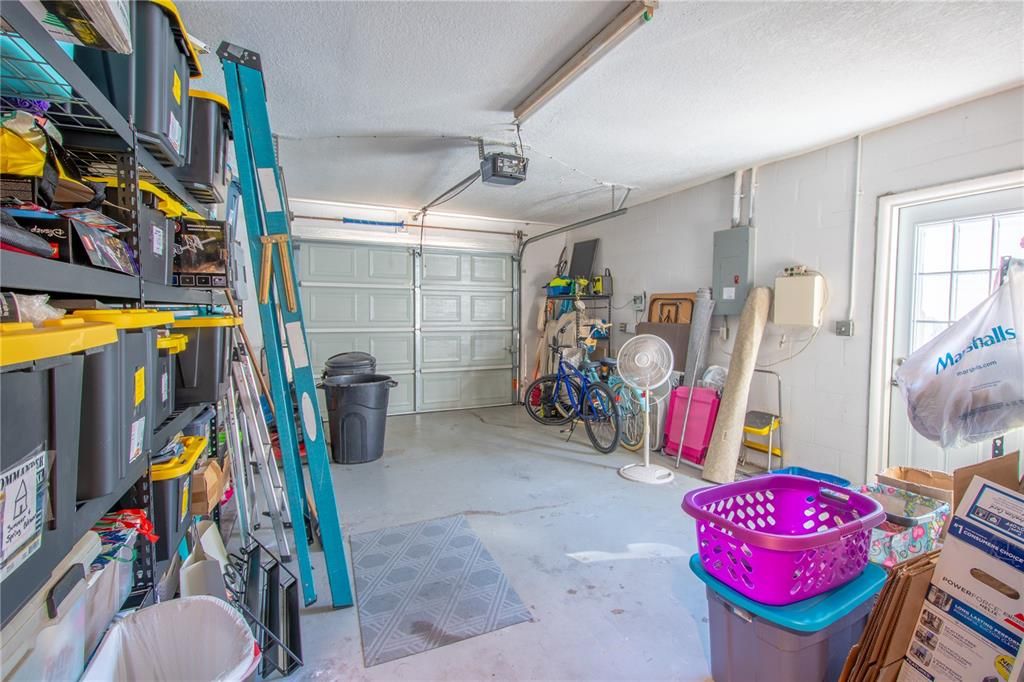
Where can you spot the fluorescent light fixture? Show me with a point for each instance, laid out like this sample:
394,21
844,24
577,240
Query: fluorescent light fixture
636,14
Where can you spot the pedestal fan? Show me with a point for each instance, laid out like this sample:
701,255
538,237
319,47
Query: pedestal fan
645,363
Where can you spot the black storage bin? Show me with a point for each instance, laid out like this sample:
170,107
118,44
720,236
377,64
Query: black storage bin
117,411
164,63
357,406
172,495
204,173
164,379
203,366
347,364
41,374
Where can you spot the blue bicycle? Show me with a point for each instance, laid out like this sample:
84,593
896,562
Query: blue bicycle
570,394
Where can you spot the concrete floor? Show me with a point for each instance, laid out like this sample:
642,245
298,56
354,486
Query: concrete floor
629,610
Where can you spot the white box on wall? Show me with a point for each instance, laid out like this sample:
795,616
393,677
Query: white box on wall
799,300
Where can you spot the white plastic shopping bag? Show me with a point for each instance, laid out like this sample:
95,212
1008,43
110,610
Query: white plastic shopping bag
967,384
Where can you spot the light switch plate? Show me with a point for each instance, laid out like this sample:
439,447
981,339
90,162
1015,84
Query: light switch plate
844,327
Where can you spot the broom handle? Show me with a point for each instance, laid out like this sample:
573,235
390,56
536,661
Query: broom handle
248,351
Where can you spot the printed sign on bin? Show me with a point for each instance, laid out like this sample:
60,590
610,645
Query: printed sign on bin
22,496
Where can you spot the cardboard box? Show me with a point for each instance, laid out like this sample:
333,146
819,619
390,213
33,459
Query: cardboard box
935,484
970,626
208,484
201,254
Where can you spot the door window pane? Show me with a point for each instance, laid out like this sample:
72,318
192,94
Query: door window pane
1009,237
934,247
970,289
932,298
974,244
926,331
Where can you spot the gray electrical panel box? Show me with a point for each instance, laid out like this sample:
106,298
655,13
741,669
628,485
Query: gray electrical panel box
732,271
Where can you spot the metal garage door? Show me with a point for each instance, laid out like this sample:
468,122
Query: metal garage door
441,322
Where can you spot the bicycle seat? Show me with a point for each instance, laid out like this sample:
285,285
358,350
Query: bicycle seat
609,362
590,364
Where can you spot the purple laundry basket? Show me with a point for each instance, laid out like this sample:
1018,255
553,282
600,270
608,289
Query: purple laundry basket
779,539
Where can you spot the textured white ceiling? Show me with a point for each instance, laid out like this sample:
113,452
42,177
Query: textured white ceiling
375,100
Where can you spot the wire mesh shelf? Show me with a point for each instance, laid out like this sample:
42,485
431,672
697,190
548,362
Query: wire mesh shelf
29,82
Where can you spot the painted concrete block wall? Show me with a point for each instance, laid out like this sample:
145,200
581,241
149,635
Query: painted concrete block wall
803,216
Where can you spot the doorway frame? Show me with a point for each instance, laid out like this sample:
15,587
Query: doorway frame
883,315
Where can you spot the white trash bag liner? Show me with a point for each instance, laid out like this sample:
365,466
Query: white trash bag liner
967,384
182,640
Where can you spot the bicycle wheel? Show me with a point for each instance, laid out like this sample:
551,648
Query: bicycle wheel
631,415
545,407
601,417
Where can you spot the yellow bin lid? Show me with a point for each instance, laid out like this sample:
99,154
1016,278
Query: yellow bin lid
127,318
172,343
183,463
22,342
207,321
178,28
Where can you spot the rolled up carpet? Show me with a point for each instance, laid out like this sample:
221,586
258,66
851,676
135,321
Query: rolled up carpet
727,438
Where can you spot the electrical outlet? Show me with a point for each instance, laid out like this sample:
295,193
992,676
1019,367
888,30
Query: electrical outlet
622,327
844,327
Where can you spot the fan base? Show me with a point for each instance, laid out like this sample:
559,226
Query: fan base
651,474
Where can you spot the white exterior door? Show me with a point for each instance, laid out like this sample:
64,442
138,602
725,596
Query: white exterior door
948,254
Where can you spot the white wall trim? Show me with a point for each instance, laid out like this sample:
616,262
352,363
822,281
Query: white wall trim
883,312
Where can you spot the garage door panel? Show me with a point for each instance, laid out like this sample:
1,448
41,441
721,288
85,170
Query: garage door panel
466,270
349,264
450,390
350,307
465,349
439,308
395,351
467,309
441,268
401,400
441,350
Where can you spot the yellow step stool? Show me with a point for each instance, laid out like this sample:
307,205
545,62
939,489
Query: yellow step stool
765,425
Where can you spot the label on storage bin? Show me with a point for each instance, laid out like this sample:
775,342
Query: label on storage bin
186,497
22,510
137,435
140,385
174,133
164,388
156,240
176,86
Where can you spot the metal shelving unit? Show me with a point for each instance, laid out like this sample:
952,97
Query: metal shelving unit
99,141
32,273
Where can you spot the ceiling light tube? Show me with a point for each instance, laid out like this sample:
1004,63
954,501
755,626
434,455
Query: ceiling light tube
636,14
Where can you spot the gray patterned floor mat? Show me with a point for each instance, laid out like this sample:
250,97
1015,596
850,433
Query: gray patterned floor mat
425,585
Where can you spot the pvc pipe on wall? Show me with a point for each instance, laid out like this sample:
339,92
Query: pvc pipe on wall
857,191
753,193
737,196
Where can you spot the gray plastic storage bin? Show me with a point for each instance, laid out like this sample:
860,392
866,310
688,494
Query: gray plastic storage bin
117,412
164,379
203,365
156,241
41,374
746,648
204,172
164,63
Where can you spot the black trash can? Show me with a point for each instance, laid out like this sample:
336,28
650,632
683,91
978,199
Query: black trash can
357,409
348,364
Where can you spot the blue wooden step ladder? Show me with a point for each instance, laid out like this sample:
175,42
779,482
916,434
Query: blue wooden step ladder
267,224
